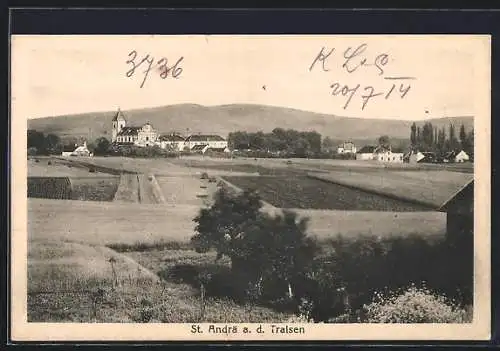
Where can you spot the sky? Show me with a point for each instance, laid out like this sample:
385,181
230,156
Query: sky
56,75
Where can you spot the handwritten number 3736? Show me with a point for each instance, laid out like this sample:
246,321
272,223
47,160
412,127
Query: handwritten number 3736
149,61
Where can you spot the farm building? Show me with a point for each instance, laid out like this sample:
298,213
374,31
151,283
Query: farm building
346,148
76,150
379,153
457,156
459,210
172,141
211,141
413,157
140,136
365,153
383,154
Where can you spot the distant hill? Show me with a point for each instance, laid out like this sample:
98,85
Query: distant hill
191,118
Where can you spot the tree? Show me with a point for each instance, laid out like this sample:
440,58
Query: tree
263,249
36,140
102,146
328,144
53,144
413,134
384,141
463,137
453,143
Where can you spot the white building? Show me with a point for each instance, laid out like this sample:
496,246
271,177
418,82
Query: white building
172,142
211,142
462,156
346,148
140,136
386,155
365,153
77,151
457,156
380,154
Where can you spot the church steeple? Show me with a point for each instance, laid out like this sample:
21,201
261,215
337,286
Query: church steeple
119,123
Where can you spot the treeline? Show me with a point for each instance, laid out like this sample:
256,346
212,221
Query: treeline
440,141
289,142
39,143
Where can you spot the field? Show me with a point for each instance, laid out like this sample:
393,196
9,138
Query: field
81,283
431,188
141,214
306,193
39,167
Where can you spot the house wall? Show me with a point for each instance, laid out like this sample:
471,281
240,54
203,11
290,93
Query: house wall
389,157
460,215
126,138
212,144
364,157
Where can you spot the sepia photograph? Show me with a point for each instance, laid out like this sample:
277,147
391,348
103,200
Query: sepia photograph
252,187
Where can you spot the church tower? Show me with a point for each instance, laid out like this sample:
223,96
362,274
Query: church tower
119,123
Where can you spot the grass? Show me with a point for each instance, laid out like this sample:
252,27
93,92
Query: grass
109,222
142,246
70,282
54,266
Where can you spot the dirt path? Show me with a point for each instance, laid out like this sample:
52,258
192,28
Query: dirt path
147,194
128,189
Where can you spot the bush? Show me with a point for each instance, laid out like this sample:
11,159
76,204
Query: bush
367,265
32,151
413,305
92,169
204,175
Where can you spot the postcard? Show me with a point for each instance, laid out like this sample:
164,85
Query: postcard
250,187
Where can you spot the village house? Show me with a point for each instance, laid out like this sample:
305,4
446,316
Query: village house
81,150
346,148
414,157
384,154
132,135
379,153
457,156
172,141
366,153
203,143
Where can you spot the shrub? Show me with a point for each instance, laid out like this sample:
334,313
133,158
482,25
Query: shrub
204,175
92,169
366,265
32,151
49,163
413,305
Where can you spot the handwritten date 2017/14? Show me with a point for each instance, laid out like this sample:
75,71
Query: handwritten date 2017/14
149,61
368,92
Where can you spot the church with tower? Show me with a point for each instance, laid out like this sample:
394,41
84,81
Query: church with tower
123,134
